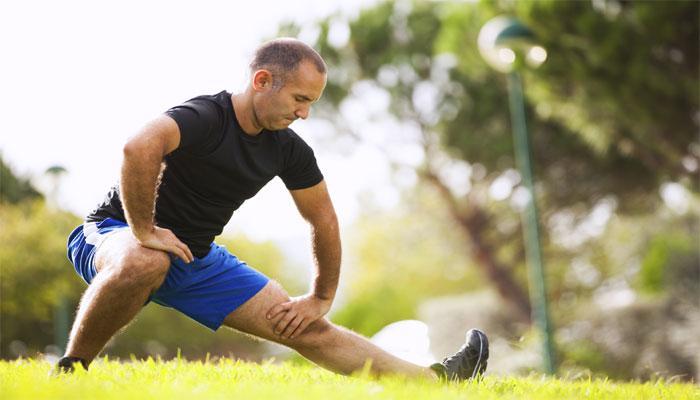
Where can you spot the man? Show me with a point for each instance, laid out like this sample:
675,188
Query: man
182,177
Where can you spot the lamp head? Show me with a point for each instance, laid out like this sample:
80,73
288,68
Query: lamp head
507,44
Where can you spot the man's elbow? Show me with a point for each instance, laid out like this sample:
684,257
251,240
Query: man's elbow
131,149
139,148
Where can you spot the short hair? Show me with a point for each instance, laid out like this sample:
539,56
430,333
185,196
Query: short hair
282,56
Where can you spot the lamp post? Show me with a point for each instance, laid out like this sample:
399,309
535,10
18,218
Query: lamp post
507,45
61,314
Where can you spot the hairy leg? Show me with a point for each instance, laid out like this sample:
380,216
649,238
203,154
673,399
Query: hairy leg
127,274
331,346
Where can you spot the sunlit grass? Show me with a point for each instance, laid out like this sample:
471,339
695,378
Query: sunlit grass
227,379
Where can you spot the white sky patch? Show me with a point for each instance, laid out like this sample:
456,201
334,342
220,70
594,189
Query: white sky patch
569,233
614,293
367,109
388,75
338,33
690,163
520,198
582,271
675,197
309,33
425,99
366,105
502,187
454,173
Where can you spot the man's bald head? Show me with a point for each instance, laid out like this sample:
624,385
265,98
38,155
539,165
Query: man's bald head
283,56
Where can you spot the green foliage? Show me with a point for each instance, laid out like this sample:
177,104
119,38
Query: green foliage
14,189
369,310
582,354
634,74
671,261
36,274
611,111
656,254
400,259
179,379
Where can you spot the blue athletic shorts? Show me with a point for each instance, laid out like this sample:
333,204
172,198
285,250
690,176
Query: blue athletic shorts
206,290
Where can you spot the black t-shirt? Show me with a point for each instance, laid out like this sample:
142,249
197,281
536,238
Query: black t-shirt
215,169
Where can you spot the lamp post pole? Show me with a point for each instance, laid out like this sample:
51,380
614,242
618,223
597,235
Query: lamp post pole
61,314
506,45
533,248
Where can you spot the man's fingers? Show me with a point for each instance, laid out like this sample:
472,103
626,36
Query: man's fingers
293,325
278,309
300,328
282,325
178,252
277,318
189,252
164,240
186,255
186,251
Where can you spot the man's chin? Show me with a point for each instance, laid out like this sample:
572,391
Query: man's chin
282,125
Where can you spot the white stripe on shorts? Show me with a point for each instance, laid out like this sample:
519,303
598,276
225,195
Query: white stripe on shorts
94,237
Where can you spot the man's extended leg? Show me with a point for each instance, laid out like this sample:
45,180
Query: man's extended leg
324,343
127,274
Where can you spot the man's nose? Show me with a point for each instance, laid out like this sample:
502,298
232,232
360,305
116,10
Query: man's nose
302,112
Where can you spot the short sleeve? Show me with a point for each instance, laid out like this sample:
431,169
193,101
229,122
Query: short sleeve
300,170
200,123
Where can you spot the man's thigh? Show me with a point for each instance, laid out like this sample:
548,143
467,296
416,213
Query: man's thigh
251,316
120,247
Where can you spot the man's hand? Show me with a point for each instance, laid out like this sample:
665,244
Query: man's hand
165,239
293,317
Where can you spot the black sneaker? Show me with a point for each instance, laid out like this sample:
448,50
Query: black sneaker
66,365
469,362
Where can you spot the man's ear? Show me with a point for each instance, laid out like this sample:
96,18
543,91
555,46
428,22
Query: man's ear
262,80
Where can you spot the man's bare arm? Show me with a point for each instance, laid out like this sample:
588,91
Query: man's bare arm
292,318
314,204
143,155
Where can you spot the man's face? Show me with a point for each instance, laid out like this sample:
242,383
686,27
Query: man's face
277,108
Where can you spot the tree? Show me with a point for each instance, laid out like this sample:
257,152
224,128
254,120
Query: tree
36,274
609,124
14,189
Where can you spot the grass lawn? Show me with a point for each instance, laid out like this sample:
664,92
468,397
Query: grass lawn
226,379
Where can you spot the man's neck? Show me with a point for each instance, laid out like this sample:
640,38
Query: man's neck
245,114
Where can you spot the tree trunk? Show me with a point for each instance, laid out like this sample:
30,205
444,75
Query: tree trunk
473,222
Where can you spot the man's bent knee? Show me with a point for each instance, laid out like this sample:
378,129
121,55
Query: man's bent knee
133,263
148,267
250,318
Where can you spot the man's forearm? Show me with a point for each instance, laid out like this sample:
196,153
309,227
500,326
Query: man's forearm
327,253
139,177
